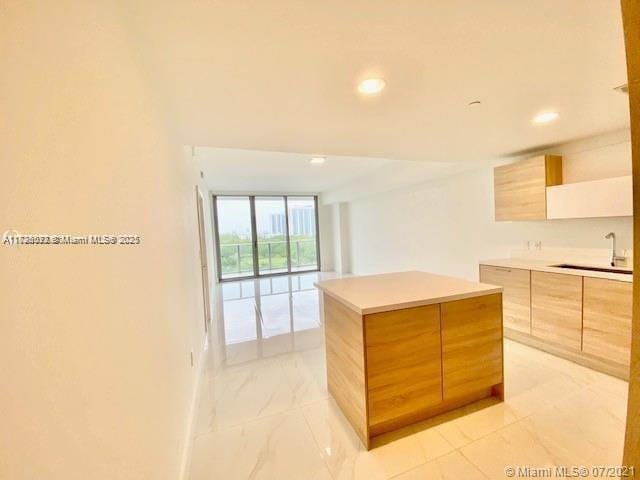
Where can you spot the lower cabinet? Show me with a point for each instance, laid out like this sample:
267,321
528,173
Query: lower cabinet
607,319
584,319
516,296
404,363
426,360
471,345
556,309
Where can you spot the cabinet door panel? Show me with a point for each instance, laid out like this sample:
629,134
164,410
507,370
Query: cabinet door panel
607,319
404,365
471,345
521,188
556,308
516,296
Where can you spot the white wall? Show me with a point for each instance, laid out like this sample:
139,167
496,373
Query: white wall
96,341
341,239
334,236
327,234
597,157
446,225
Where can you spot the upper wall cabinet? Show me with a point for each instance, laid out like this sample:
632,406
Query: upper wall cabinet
521,187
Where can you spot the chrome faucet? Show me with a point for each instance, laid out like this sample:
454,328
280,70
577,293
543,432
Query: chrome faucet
614,257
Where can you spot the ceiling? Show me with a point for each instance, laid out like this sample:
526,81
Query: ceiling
232,170
280,75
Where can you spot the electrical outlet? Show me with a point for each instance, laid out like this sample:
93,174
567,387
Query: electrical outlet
538,244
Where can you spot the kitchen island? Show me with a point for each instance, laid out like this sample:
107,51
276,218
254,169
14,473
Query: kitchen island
403,347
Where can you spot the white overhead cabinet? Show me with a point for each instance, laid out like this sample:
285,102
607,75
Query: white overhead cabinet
607,197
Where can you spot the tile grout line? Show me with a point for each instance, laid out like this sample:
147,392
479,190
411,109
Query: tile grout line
477,467
519,420
318,446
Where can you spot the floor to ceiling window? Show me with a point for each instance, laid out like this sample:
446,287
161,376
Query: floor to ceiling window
271,234
303,245
259,235
234,235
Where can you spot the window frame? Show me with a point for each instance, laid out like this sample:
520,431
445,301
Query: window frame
254,237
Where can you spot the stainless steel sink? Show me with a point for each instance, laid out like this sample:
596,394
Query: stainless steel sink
594,269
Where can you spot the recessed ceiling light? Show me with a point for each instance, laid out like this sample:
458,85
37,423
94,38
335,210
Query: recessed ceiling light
317,160
371,86
545,117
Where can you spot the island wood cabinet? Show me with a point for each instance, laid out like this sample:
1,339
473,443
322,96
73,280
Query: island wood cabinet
471,345
556,309
404,362
421,360
390,369
520,188
346,369
607,319
516,296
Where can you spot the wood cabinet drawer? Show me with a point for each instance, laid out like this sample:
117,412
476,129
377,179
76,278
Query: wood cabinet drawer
404,364
556,308
471,345
607,319
516,296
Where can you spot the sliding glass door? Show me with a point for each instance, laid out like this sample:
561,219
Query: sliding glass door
234,237
260,235
271,226
303,239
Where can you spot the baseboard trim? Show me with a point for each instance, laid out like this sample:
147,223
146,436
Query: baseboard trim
584,359
185,467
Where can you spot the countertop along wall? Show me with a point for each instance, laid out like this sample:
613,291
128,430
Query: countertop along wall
447,225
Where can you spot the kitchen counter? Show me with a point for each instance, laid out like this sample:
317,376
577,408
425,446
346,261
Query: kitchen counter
396,291
548,266
581,315
403,347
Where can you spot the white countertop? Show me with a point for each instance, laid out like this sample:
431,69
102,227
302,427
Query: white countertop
548,266
395,291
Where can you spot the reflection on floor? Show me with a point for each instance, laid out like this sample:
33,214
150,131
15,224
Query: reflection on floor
264,412
267,317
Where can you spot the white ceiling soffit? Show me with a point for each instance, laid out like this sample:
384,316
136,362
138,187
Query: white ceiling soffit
231,170
338,179
281,75
396,175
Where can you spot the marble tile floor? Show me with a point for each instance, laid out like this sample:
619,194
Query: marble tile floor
264,412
